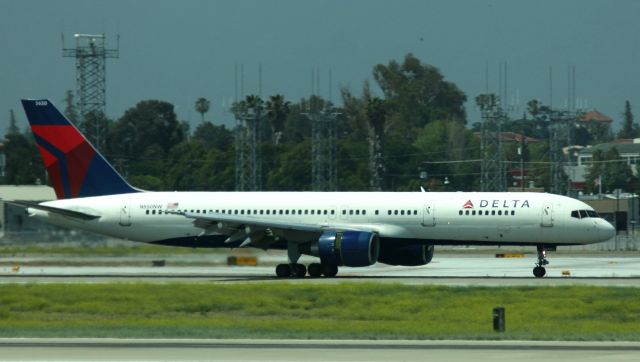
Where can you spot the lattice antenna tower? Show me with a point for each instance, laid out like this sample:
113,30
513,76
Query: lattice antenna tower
91,54
323,138
249,114
561,124
248,136
492,167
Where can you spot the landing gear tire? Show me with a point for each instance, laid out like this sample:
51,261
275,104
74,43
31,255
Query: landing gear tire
315,270
298,270
539,271
283,271
329,270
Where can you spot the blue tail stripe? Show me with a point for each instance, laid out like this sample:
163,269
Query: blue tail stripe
102,180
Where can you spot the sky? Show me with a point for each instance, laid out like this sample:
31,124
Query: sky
178,51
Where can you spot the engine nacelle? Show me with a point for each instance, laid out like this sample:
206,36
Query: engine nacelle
406,255
349,248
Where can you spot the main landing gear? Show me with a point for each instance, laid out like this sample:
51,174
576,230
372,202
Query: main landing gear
539,271
316,270
296,270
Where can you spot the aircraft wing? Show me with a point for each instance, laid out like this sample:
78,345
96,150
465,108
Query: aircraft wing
258,231
56,210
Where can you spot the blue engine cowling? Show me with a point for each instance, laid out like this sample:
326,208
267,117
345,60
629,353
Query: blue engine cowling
349,248
406,255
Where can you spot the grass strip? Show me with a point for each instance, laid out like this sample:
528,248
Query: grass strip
305,311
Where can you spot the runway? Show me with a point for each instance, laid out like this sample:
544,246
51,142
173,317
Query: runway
310,350
483,270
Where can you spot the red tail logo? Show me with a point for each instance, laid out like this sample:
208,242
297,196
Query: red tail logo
468,205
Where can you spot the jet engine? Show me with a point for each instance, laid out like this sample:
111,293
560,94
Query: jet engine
349,248
405,255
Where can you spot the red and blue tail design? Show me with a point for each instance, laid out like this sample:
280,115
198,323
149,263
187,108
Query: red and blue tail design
75,167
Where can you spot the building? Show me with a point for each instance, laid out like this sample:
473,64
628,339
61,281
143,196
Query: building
14,222
17,226
629,149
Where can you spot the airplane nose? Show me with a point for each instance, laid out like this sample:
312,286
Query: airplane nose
605,230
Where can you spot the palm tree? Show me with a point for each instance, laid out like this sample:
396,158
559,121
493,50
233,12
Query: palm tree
255,103
202,106
277,111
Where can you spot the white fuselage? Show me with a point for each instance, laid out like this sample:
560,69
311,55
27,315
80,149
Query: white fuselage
433,218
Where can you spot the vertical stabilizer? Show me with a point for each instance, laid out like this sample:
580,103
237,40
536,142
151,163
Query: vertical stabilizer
75,167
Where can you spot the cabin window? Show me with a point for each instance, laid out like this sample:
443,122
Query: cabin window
147,212
389,212
401,212
344,212
376,212
415,212
499,212
280,212
333,212
459,212
325,212
466,212
364,212
395,212
473,212
153,212
306,212
513,212
350,212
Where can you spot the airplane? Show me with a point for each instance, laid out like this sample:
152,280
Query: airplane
353,229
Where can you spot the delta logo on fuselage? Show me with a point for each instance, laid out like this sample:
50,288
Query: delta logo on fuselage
507,204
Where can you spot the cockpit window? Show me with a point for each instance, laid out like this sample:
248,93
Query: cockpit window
581,214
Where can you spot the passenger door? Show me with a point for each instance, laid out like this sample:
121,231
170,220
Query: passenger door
547,215
125,216
428,215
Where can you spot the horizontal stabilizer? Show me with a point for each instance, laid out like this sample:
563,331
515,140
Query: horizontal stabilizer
56,210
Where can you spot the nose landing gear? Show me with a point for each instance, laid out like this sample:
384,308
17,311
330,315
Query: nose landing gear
539,271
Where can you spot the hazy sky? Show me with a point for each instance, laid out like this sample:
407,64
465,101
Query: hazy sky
181,50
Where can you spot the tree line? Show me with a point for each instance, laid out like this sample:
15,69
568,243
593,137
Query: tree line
412,123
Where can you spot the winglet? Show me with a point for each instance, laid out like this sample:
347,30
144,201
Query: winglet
75,167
